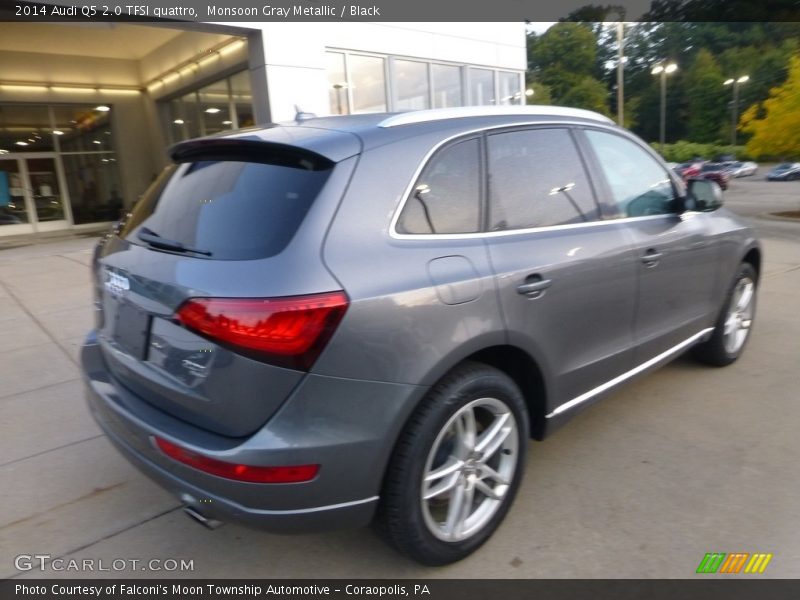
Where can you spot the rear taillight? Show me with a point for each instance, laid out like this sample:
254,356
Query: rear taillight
289,332
239,472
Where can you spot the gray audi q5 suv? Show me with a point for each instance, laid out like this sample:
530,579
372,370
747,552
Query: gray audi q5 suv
365,318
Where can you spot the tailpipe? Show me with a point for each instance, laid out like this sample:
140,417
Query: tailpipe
205,521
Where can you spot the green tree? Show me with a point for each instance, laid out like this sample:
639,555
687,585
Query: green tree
775,123
585,92
564,59
541,94
705,98
564,48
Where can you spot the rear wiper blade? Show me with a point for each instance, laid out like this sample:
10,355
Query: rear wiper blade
155,240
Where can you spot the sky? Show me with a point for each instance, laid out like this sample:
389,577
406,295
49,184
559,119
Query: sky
539,28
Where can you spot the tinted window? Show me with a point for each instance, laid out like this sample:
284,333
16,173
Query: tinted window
446,197
234,210
640,186
536,179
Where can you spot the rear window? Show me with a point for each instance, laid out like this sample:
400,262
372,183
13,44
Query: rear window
228,209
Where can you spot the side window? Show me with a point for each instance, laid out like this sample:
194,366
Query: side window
536,179
639,184
446,197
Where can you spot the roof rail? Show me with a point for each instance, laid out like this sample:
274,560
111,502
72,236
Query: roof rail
460,112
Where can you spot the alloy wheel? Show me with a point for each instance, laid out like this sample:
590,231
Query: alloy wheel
740,315
469,469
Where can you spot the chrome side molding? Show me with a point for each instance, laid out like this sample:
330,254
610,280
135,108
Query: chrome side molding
628,374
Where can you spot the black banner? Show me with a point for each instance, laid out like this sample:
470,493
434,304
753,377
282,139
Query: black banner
393,10
460,589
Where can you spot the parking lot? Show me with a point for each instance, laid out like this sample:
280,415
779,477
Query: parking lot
685,461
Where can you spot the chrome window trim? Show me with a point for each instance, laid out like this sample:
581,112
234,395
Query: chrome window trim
507,232
394,234
628,374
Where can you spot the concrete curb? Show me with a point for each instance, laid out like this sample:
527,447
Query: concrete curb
771,217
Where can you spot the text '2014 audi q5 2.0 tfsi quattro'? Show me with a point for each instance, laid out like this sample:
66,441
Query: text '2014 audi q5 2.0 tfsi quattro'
365,318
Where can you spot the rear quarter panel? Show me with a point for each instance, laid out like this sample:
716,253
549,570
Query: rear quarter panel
398,328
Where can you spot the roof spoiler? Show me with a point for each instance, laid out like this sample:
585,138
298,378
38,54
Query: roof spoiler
248,149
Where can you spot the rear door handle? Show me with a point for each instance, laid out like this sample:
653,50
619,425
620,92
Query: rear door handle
534,286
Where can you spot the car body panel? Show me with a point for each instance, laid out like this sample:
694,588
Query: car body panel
419,305
592,297
340,422
675,294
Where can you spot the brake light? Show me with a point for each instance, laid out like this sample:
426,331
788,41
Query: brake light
248,473
290,332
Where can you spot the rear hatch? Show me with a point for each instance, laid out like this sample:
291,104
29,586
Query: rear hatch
225,239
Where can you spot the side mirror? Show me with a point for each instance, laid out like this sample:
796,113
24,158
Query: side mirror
703,195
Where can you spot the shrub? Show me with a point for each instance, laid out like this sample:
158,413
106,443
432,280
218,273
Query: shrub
681,151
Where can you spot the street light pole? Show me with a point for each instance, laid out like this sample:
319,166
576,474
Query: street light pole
663,71
735,107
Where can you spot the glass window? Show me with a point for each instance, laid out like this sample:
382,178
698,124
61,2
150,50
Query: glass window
215,107
337,84
411,85
233,210
185,118
510,89
44,189
481,87
83,128
12,194
242,96
639,184
25,128
94,187
446,198
368,83
83,136
446,86
536,179
224,105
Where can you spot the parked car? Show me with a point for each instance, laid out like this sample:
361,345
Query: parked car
357,318
690,168
742,169
713,171
785,172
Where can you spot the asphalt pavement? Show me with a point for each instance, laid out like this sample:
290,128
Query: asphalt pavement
682,462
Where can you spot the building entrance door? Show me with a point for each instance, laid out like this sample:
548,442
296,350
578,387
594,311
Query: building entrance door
31,194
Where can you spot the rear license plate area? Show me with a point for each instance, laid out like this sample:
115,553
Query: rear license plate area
131,326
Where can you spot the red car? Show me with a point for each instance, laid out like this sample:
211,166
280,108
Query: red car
714,171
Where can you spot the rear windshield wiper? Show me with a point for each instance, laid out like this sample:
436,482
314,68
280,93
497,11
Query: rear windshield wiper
155,240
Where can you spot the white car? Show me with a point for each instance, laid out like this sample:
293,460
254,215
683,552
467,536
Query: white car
742,169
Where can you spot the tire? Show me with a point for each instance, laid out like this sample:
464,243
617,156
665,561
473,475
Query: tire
437,441
734,324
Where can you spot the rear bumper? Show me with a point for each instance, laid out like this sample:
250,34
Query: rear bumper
347,426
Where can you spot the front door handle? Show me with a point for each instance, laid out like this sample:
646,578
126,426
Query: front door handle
534,286
651,258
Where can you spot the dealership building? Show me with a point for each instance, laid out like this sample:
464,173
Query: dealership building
87,110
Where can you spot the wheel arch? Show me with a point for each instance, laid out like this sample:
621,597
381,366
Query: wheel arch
753,258
526,373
